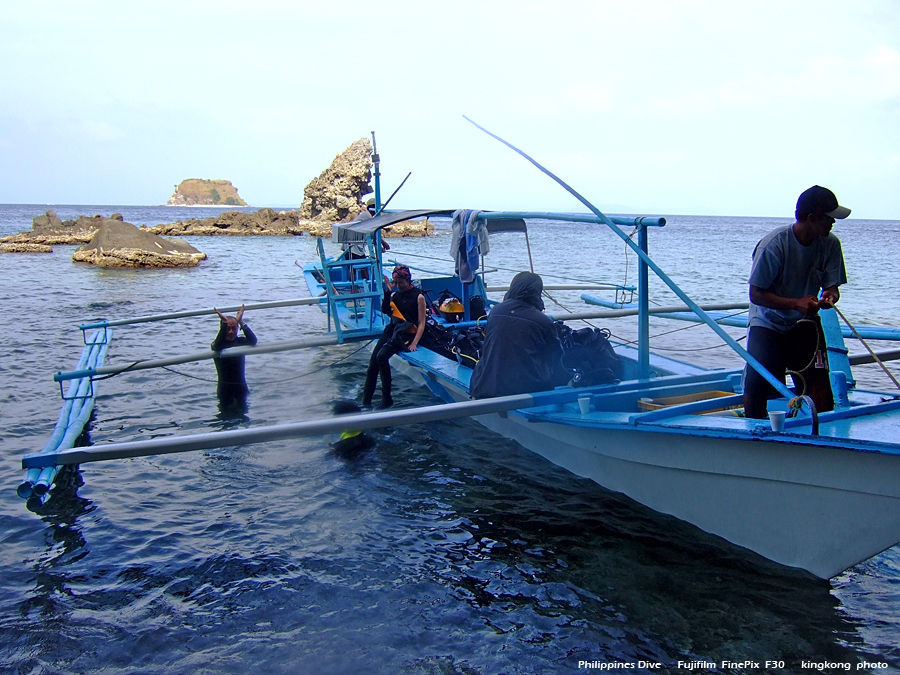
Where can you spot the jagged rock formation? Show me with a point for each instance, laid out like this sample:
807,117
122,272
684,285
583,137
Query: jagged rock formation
203,192
238,223
337,193
48,221
120,244
48,229
270,222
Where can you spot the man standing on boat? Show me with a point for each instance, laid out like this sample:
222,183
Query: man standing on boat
406,307
796,271
232,388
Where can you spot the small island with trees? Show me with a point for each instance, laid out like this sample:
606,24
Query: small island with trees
202,192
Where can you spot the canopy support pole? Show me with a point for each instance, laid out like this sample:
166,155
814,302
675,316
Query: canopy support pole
644,307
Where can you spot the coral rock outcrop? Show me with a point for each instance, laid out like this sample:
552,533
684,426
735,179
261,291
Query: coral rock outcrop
48,229
336,194
236,223
23,247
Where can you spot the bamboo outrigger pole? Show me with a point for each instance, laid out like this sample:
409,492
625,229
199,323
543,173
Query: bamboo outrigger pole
616,313
201,312
333,425
568,287
269,348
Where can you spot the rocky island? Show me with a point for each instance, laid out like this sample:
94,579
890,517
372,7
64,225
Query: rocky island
202,192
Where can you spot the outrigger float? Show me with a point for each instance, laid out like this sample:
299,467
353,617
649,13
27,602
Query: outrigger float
821,495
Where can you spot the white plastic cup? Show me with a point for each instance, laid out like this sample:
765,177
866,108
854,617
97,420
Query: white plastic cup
776,418
584,404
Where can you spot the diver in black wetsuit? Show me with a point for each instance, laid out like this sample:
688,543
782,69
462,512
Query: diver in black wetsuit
405,304
232,388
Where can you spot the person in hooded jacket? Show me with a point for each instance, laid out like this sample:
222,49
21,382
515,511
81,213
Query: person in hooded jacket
521,349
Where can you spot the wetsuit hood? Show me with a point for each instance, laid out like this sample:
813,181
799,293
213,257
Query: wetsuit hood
527,287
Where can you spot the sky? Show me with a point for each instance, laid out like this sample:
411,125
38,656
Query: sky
661,107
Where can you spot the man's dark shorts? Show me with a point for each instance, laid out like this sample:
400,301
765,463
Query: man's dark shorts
802,349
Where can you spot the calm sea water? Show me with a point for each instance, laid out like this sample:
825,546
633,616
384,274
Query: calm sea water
444,549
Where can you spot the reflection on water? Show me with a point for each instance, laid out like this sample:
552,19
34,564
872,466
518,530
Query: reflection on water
65,545
440,549
233,415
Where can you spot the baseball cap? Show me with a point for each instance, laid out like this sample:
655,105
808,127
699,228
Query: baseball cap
821,200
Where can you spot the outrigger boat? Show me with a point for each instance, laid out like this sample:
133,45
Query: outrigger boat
823,494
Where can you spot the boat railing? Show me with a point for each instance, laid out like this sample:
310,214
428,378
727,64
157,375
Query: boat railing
352,273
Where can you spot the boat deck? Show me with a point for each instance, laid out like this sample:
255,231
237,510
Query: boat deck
708,407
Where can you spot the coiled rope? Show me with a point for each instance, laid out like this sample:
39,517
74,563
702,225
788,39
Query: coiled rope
798,374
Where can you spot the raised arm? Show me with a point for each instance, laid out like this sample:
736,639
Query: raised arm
249,334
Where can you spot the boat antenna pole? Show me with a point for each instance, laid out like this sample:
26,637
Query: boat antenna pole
376,161
743,353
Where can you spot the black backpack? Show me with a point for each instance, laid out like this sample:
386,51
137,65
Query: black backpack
588,357
467,345
438,339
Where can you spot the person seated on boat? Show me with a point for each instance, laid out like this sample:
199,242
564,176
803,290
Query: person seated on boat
405,304
232,387
521,350
796,271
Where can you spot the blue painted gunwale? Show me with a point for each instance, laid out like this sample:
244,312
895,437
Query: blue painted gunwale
867,419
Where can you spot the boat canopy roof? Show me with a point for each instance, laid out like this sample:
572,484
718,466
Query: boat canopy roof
372,224
494,224
506,225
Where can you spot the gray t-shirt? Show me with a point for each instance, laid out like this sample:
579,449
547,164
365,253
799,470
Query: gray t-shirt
786,267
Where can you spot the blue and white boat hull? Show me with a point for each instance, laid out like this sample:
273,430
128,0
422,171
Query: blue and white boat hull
791,498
